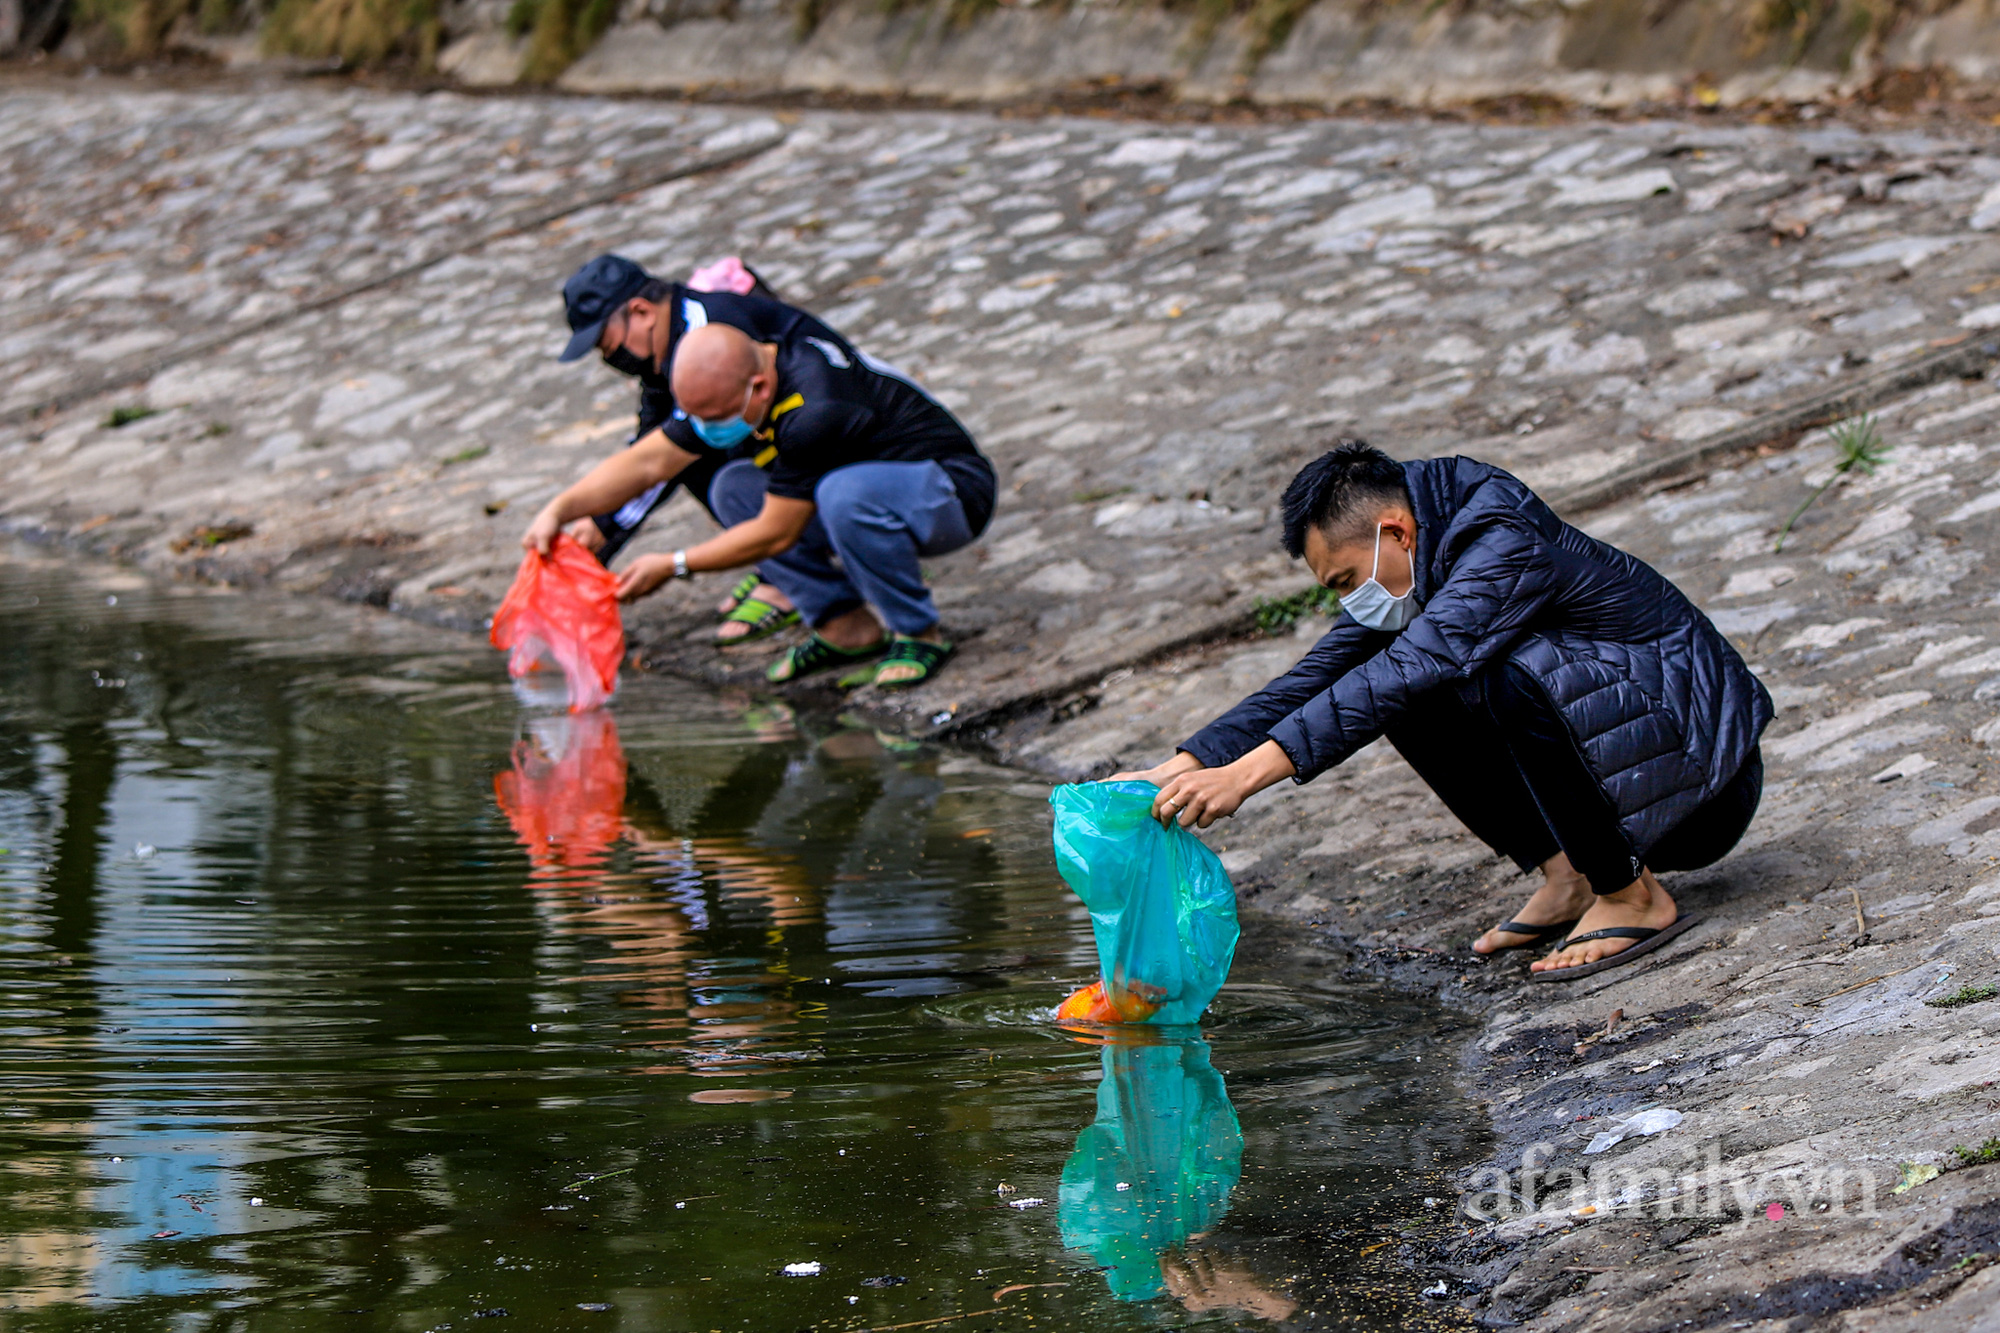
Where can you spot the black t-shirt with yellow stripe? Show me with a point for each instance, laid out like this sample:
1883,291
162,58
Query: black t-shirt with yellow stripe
836,406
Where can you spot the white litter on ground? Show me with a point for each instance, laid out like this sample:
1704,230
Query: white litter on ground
1651,1120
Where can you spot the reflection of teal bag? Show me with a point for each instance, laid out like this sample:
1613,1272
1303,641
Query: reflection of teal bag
1165,1131
1161,906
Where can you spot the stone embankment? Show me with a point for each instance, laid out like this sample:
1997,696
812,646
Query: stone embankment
1332,53
1325,54
305,339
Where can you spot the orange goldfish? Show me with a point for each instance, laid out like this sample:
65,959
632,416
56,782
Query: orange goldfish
1094,1004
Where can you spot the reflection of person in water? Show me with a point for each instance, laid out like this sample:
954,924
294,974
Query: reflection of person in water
1205,1282
662,864
567,797
1153,1172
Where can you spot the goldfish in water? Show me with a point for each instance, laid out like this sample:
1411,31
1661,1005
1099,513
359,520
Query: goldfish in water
1095,1004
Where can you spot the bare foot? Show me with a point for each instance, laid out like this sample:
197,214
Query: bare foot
731,630
1564,896
852,630
1641,903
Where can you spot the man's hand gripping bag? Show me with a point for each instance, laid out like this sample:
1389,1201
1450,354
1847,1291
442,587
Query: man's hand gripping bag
1161,906
564,606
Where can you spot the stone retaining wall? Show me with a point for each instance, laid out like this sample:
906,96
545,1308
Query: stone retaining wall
1609,54
1602,53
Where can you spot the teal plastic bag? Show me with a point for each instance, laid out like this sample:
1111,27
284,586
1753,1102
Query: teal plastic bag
1155,1167
1161,905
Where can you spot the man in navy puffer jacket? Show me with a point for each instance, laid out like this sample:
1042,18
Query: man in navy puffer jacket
1568,703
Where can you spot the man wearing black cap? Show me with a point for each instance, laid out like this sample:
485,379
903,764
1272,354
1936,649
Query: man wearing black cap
834,473
633,321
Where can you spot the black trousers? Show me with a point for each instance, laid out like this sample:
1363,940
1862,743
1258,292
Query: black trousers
1508,767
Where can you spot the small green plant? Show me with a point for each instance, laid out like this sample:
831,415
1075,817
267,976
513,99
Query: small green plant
207,536
139,28
355,32
1790,24
217,429
806,15
1275,615
125,416
1963,996
561,32
1271,22
467,455
1858,446
1986,1154
965,13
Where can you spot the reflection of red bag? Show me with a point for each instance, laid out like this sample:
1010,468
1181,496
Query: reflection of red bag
565,606
565,795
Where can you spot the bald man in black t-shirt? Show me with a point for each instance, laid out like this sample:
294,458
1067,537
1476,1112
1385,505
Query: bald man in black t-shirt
841,474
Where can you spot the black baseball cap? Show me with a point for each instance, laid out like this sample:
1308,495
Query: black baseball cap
593,294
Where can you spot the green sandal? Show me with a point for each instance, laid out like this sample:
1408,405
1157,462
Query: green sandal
925,656
861,675
816,654
763,619
744,587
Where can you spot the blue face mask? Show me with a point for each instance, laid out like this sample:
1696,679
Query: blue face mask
1372,606
724,432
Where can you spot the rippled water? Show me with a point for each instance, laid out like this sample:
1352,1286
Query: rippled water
339,992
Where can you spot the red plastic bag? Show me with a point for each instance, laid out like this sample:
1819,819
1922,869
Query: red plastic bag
563,608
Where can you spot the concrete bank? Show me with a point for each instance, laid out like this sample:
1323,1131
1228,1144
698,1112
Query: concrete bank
1150,328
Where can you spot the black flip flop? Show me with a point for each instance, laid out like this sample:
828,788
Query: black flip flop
1537,934
1648,940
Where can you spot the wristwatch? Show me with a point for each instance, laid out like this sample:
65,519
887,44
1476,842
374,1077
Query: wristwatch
681,564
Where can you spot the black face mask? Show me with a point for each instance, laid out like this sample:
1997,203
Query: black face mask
629,363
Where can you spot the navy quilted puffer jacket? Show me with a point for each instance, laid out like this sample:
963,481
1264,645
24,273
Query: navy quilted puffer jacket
1662,707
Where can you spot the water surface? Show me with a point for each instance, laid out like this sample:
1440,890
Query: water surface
341,992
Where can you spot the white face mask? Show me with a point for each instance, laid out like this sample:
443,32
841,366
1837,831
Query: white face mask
1371,605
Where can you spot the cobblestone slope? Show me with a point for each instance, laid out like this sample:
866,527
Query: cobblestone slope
1149,329
138,225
